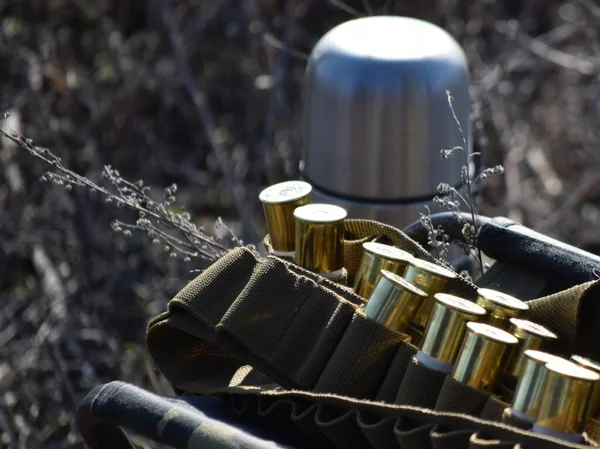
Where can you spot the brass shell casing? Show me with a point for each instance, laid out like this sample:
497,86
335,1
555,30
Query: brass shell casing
531,336
394,302
279,202
377,257
566,397
481,356
500,307
430,278
528,392
594,409
446,329
319,237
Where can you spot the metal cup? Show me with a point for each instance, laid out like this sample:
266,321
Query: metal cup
500,307
528,392
594,410
445,331
394,302
377,257
565,400
430,278
319,238
375,89
530,336
279,202
481,356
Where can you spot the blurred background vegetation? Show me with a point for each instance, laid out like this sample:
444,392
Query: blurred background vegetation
154,87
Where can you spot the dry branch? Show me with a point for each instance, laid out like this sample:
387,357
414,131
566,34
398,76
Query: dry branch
199,99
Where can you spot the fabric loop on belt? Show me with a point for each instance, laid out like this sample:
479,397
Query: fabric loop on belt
250,326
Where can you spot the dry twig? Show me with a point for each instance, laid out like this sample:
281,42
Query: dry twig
589,181
207,120
542,50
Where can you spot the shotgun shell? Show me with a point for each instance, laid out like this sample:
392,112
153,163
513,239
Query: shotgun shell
480,359
500,307
530,336
430,278
565,400
394,302
528,392
445,331
279,202
594,409
377,257
319,238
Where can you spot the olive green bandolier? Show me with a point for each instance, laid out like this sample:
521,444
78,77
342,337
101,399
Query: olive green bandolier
290,348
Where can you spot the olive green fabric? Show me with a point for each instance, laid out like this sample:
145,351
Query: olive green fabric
456,397
420,386
480,441
359,231
411,426
564,312
444,438
273,338
493,409
388,390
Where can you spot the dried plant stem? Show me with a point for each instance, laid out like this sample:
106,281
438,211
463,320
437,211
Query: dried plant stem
277,101
157,219
282,46
206,118
347,8
451,199
367,6
466,179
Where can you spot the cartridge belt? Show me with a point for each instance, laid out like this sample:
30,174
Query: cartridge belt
294,349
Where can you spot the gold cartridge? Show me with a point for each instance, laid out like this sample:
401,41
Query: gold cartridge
319,238
528,392
394,302
377,257
500,307
445,331
594,409
430,278
530,336
481,357
565,400
279,202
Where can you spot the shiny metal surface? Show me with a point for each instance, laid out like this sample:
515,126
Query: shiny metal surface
319,237
528,392
531,336
430,278
279,202
394,214
443,336
594,410
376,114
394,302
566,397
482,355
500,306
377,257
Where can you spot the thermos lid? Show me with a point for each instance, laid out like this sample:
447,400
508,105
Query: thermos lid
376,114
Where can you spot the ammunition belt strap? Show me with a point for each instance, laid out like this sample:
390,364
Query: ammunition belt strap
284,344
